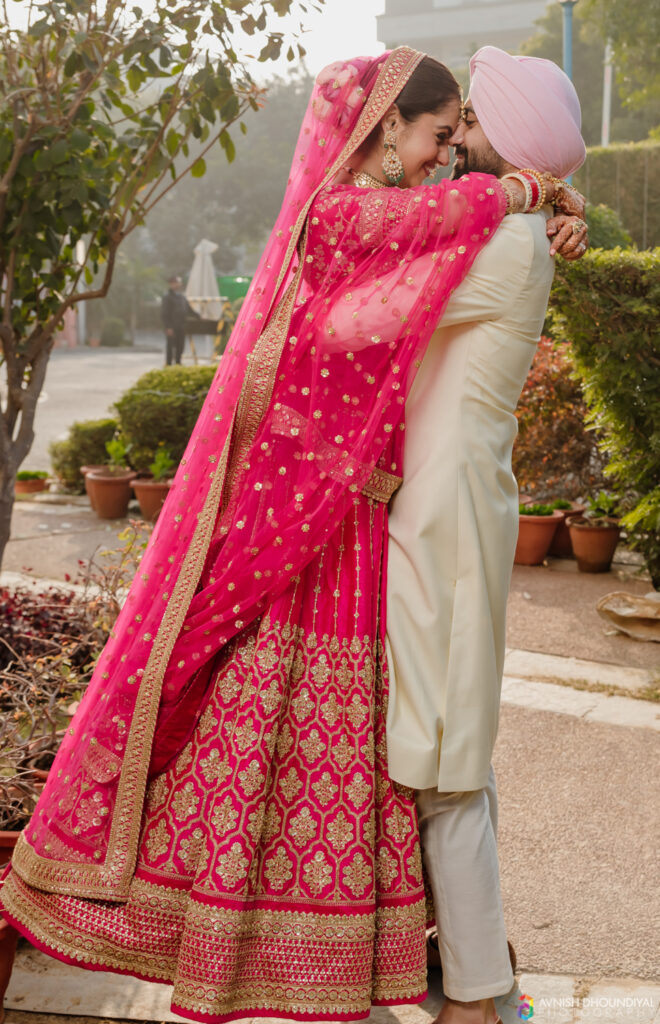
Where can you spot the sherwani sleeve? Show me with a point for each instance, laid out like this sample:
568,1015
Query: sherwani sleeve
496,277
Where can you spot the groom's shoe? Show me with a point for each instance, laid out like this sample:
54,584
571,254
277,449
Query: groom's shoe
433,961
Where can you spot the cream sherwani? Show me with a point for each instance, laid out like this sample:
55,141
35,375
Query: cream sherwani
453,523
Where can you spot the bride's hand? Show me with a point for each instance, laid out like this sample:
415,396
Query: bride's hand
568,236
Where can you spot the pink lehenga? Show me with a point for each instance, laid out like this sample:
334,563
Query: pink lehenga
219,815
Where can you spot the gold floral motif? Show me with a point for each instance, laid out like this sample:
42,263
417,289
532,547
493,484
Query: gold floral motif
284,741
213,767
317,873
224,817
232,866
357,875
272,823
189,847
358,790
255,821
398,825
386,869
313,747
208,722
279,869
325,789
270,698
291,785
320,671
252,777
185,802
245,736
343,752
158,840
330,710
357,711
340,832
303,827
230,686
267,657
302,705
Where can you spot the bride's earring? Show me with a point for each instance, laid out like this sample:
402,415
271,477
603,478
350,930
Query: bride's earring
392,166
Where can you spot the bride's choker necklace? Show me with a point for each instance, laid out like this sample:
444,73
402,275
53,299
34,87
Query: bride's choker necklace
365,180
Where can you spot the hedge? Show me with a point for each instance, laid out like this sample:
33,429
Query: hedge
85,446
555,454
607,306
626,176
160,410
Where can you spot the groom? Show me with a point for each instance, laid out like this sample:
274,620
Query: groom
453,526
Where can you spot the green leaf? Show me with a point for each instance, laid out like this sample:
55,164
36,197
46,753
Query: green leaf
227,144
40,28
59,151
42,160
198,169
79,139
135,77
230,109
172,141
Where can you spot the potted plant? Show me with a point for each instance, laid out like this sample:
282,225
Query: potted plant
152,491
30,482
561,546
111,485
595,534
537,525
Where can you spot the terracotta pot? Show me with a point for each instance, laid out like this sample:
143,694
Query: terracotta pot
561,546
151,495
7,843
111,490
89,486
535,535
30,486
594,546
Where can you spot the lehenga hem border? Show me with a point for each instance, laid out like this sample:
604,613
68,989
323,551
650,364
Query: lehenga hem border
264,1012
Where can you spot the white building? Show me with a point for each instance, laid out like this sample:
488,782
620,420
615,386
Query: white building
452,30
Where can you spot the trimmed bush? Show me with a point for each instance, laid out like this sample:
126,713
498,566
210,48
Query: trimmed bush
113,332
626,177
554,455
605,228
606,305
84,446
160,410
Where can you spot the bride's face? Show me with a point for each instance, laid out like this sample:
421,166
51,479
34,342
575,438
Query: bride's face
424,144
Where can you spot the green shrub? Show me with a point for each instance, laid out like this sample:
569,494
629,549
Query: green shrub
85,446
160,411
113,332
606,305
554,455
605,228
536,510
32,474
626,177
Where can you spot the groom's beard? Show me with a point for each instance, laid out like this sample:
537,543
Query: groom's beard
488,162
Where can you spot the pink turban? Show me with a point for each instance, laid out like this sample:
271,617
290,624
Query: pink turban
528,109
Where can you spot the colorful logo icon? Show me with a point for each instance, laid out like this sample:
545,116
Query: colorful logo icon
526,1008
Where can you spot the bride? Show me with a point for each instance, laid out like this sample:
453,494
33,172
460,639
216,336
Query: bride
219,816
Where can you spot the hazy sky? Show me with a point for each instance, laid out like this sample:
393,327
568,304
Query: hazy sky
345,28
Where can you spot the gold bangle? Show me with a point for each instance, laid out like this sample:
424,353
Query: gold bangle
540,180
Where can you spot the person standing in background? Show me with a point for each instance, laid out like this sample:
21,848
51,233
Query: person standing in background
174,311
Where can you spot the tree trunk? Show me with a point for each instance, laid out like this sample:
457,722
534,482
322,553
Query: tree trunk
15,444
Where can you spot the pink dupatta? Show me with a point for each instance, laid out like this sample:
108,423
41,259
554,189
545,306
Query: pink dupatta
305,401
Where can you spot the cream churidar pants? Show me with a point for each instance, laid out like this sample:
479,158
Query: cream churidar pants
458,835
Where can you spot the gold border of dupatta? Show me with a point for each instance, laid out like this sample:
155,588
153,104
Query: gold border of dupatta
111,879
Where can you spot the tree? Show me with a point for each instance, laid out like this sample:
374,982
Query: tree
633,27
104,108
588,58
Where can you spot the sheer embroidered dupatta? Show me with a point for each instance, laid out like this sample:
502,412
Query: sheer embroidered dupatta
305,401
